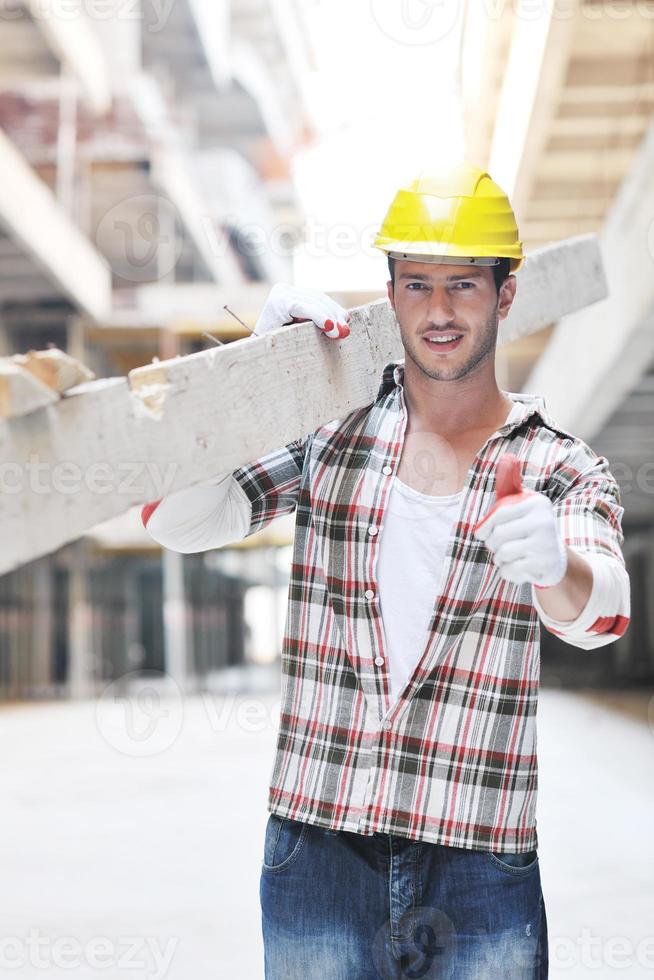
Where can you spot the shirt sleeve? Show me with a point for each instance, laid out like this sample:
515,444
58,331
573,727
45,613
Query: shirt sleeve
605,616
272,483
229,507
589,513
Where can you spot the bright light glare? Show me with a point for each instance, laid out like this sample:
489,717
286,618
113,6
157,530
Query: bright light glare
386,109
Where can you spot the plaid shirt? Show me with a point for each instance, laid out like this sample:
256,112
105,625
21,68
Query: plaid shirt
453,760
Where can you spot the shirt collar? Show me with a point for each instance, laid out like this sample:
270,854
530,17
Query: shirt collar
393,378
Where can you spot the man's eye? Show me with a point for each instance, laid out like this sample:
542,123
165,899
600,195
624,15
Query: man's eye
418,284
466,284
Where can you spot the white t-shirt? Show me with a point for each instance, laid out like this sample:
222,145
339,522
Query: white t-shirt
417,528
411,559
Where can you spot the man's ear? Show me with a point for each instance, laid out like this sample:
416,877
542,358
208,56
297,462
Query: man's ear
506,296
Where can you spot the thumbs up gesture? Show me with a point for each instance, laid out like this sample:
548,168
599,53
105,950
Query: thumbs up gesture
521,531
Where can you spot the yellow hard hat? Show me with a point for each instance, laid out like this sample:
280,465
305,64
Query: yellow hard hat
460,214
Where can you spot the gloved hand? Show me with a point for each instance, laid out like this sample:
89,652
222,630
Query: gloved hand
290,304
521,531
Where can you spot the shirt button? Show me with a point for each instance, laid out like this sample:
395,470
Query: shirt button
369,594
379,661
387,470
373,529
386,724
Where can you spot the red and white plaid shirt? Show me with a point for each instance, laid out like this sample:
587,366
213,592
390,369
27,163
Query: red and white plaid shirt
453,760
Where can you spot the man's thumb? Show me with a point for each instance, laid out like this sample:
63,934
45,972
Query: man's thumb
508,486
508,478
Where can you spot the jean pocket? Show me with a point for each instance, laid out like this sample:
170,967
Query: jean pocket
516,864
283,842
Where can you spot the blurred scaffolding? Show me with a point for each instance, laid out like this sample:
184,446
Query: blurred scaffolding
162,160
144,148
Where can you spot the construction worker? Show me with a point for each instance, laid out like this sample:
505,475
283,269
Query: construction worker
437,529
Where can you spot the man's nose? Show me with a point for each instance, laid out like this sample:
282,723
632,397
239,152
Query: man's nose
440,306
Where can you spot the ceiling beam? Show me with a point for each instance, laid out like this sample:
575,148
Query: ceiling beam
557,228
633,123
74,43
605,68
172,173
484,45
531,89
32,217
573,189
609,163
568,208
213,25
594,359
604,96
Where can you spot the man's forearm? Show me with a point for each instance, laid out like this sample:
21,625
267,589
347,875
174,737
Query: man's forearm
567,599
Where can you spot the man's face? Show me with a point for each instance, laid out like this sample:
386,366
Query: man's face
433,299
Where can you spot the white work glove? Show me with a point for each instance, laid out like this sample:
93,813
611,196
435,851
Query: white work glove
521,531
290,304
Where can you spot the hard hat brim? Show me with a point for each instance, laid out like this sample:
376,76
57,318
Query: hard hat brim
474,260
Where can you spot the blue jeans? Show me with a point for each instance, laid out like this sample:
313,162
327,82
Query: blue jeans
336,905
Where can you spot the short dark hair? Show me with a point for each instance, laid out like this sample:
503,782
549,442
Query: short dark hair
500,271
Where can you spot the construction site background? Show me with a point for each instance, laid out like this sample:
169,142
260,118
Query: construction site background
161,161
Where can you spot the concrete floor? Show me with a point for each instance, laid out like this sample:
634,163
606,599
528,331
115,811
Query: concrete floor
138,856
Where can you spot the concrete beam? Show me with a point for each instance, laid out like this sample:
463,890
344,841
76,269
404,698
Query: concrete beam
556,228
20,391
191,308
30,214
212,22
171,304
292,22
555,280
253,73
484,45
108,445
531,88
75,44
172,173
80,640
595,358
178,647
605,97
611,164
634,123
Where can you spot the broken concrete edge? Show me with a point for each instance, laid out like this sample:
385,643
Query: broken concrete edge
21,392
36,379
55,368
151,384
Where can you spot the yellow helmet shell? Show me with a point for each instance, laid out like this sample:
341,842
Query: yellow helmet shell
460,212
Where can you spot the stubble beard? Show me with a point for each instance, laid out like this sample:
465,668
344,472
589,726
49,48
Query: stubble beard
486,346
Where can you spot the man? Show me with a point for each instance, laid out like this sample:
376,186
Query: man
401,840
